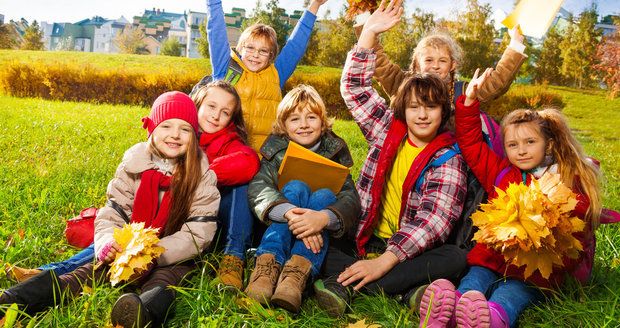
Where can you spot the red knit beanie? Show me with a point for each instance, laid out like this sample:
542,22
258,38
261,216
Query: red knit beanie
173,104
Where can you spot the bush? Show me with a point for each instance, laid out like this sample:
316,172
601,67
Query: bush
518,97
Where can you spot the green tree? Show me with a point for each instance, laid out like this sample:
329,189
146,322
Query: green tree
335,41
33,37
579,49
475,33
203,42
131,41
549,62
8,37
272,16
400,41
171,47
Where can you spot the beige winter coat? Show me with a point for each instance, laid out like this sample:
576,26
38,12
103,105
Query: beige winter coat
193,238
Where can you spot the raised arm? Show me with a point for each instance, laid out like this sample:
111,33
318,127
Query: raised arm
219,47
500,79
295,46
484,163
368,109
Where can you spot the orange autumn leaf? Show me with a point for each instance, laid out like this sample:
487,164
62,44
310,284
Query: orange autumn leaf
531,225
139,248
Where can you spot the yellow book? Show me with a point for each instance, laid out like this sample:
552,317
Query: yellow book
533,16
318,172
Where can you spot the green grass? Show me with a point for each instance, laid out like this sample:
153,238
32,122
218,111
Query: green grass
57,158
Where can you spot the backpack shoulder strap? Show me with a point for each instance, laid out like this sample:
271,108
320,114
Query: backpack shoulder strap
459,89
436,163
233,74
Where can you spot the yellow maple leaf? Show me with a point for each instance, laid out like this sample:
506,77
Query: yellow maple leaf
139,248
531,225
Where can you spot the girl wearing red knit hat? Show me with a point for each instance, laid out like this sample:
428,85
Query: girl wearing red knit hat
152,185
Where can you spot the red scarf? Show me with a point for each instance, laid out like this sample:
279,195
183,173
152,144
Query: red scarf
146,206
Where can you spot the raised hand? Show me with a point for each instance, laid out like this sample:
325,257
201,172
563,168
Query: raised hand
315,5
383,19
515,34
474,85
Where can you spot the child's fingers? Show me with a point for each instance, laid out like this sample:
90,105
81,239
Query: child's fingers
476,74
381,6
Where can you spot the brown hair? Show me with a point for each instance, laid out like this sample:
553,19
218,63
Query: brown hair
427,89
185,179
573,165
262,32
237,115
300,97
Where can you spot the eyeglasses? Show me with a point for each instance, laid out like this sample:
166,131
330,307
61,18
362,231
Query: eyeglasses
251,50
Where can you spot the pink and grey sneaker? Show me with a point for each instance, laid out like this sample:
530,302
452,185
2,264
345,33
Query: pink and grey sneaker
472,310
437,305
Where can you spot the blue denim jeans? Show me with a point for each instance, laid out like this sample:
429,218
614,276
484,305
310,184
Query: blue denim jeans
237,220
86,255
280,241
513,295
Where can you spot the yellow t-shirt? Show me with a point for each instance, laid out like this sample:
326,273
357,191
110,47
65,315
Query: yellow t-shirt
393,192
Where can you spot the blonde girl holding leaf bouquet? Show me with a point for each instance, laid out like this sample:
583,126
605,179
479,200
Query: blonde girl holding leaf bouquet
164,183
494,291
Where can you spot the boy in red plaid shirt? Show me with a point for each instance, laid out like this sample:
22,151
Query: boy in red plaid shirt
408,206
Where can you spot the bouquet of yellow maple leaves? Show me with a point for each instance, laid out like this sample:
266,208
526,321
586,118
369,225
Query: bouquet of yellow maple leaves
531,225
360,6
139,248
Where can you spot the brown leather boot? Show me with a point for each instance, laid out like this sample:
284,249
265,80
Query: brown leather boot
19,274
230,272
263,278
292,283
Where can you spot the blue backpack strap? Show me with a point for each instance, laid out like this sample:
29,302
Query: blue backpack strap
459,89
436,163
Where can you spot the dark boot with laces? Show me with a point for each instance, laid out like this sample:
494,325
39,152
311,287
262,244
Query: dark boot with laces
332,297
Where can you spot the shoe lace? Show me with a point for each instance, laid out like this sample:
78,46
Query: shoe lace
293,272
230,265
268,269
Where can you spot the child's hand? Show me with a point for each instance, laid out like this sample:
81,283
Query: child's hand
304,222
474,85
108,252
314,6
313,242
515,34
383,19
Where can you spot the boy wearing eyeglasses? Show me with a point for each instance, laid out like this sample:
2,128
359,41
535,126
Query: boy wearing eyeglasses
254,66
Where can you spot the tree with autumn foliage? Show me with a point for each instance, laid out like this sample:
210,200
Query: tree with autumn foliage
399,41
608,60
270,15
579,48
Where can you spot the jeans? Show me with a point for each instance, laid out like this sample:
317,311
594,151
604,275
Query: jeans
85,256
237,220
513,295
280,241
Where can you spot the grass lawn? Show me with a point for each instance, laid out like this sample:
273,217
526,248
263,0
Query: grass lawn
58,158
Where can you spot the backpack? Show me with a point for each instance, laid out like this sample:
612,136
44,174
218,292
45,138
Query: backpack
463,230
233,74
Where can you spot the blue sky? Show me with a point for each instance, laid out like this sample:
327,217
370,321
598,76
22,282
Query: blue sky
75,10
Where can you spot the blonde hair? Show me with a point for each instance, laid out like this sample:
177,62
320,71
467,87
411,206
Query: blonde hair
573,165
439,40
299,98
263,32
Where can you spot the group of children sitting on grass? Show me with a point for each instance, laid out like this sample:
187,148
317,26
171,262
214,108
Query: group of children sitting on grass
388,233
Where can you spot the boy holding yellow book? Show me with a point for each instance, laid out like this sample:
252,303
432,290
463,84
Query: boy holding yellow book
301,219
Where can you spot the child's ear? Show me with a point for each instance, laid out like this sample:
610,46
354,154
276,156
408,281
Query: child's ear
453,68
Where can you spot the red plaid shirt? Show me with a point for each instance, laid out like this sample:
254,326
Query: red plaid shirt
426,219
